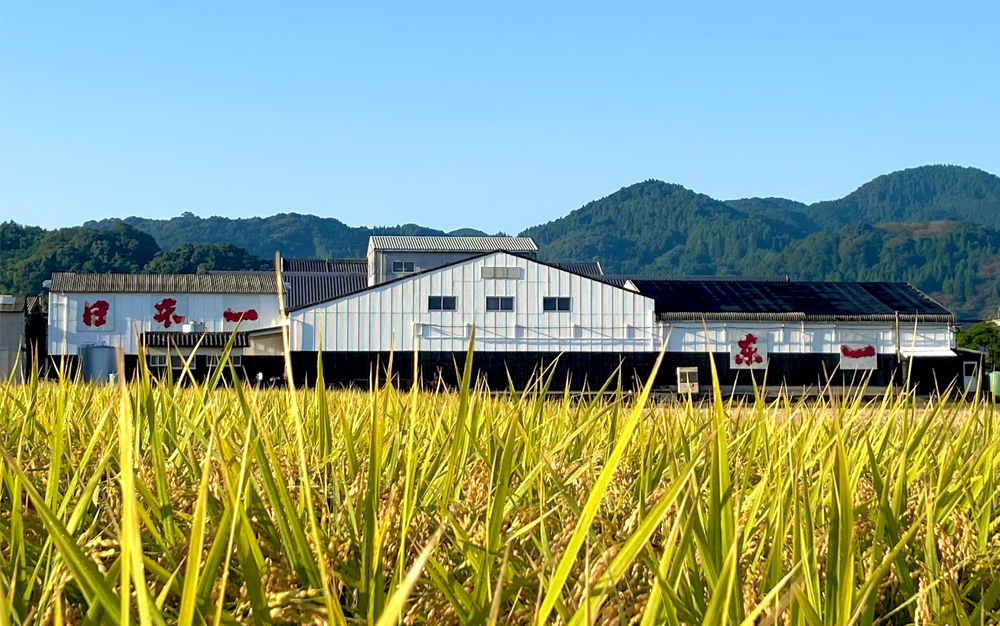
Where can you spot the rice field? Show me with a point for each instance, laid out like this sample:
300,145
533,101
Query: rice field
158,503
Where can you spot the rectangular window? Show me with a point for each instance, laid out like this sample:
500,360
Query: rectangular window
157,360
177,362
555,304
441,303
499,304
401,267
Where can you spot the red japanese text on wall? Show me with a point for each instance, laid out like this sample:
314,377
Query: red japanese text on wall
748,350
166,313
858,356
250,315
96,314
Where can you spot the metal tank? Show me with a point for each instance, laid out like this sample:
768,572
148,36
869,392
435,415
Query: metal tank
99,364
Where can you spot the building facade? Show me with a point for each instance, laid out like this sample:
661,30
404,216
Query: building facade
391,257
355,317
167,316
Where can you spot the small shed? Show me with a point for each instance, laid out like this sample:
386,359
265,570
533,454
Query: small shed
12,351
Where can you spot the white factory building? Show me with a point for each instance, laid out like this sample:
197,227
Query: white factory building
424,298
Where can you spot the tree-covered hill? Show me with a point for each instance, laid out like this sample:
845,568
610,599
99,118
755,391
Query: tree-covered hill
921,194
957,263
935,226
658,227
293,234
30,255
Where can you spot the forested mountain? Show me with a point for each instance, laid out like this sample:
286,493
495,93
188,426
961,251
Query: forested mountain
937,227
957,263
294,235
657,227
29,255
921,194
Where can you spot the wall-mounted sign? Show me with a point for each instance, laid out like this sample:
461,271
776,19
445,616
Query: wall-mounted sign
166,313
97,316
747,350
857,351
250,315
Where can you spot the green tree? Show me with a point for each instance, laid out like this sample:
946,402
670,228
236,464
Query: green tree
983,334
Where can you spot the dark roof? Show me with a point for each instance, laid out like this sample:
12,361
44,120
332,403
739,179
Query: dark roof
620,279
161,339
790,301
11,304
237,282
587,268
341,266
309,288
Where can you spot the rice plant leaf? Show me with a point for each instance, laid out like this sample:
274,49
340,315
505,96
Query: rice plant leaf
555,584
84,571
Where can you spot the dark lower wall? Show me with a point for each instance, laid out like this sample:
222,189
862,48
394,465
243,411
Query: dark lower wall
581,371
578,371
270,368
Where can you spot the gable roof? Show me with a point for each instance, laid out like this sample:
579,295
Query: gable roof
790,301
398,243
261,283
458,262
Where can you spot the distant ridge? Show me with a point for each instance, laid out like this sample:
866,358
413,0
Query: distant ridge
936,227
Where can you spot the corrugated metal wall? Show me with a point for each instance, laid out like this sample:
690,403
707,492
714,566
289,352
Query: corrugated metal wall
395,316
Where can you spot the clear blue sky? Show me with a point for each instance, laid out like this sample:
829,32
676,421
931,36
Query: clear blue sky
493,115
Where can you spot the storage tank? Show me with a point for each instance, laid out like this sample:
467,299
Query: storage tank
98,363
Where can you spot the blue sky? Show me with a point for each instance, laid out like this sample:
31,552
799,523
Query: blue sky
495,115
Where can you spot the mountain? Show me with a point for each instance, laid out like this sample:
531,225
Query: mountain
295,235
658,227
921,194
957,263
937,227
29,255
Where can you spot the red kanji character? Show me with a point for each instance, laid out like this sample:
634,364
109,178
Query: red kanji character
748,351
95,314
165,309
236,316
857,353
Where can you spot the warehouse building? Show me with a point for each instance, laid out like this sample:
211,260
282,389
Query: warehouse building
526,313
391,257
168,315
802,334
529,314
358,314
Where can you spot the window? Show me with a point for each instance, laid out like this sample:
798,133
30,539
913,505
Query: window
555,304
400,267
501,272
157,360
212,360
499,304
441,303
177,362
